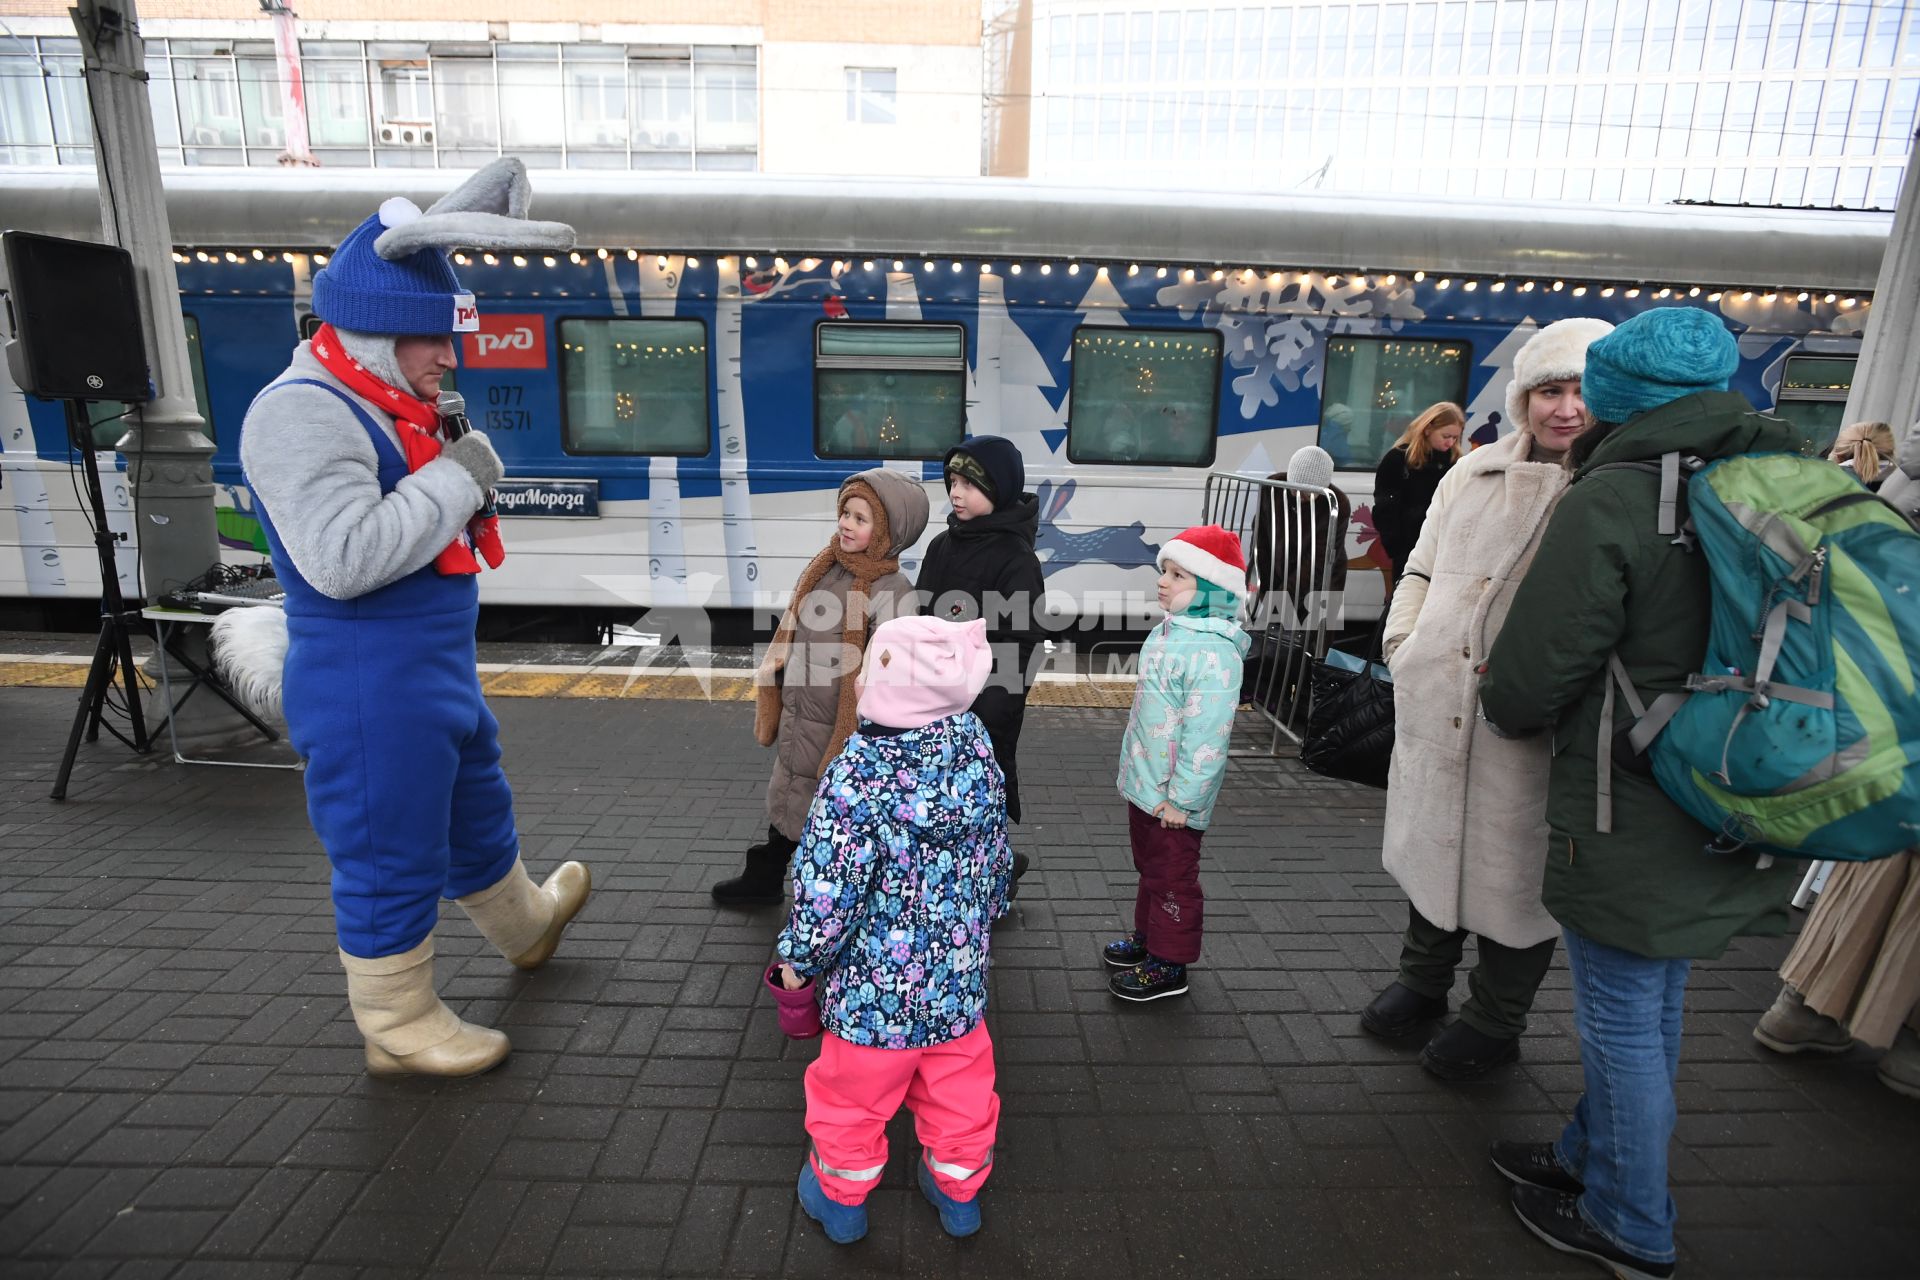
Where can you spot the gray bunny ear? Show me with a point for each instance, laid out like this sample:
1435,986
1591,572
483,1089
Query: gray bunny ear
472,231
501,187
487,211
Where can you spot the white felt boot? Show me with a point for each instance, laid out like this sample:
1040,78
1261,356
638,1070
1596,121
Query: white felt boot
524,920
408,1031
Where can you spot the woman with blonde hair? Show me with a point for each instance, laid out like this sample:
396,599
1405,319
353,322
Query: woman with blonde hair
1405,480
1866,449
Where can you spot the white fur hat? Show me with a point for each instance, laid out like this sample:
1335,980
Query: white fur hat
1557,351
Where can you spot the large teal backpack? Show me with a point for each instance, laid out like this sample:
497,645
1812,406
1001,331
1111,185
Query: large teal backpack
1802,734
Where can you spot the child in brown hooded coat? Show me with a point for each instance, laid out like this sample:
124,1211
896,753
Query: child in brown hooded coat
807,705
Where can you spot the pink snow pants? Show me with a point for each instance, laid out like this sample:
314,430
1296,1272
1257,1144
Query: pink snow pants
852,1091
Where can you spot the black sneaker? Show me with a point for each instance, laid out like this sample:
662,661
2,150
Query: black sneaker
1124,953
1150,980
1555,1218
1463,1053
1020,864
1532,1164
1399,1011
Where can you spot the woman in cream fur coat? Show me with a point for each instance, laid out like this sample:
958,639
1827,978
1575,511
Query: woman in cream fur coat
1466,832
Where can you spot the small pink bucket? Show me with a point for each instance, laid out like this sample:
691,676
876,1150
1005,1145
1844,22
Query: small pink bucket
799,1010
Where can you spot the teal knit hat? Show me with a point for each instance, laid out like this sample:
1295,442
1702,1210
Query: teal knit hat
1656,358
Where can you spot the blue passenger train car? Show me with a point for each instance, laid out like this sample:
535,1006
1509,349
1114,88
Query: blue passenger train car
677,399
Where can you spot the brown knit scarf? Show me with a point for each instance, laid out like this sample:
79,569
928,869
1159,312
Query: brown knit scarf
866,567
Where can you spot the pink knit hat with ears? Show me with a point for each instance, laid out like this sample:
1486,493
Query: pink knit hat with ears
919,670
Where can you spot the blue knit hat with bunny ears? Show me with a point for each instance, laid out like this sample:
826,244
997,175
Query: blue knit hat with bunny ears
391,274
359,289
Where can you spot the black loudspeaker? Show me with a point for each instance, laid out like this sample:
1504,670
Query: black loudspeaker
76,320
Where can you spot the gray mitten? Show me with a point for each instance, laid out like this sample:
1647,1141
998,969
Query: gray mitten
474,453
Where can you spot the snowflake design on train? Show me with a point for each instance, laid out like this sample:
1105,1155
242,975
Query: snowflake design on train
1276,326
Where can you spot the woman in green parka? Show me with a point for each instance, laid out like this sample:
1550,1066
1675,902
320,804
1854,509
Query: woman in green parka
1642,900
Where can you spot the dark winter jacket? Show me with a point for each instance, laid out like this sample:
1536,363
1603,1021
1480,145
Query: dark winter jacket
1605,580
993,554
1401,496
1303,530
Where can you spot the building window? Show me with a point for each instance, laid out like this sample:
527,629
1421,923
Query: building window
1374,387
870,94
1143,396
1813,395
889,390
634,387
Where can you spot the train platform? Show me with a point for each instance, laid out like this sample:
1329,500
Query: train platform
181,1092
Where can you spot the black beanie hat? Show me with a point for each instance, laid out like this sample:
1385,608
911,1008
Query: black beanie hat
992,464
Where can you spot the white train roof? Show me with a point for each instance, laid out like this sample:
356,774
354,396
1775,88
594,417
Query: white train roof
999,219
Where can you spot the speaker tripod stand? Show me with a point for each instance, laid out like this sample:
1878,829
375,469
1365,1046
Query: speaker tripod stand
114,649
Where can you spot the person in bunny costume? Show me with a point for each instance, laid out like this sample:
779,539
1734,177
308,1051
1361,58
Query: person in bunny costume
373,520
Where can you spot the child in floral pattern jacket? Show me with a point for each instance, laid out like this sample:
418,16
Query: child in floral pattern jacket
1174,755
899,877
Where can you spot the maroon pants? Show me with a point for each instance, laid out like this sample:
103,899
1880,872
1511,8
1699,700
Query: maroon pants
1168,910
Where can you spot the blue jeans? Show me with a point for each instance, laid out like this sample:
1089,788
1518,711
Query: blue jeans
1628,1010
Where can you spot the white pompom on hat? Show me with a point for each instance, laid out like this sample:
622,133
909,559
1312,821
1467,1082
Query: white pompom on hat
1556,352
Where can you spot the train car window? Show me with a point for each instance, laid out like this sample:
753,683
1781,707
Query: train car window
1373,387
1149,397
888,390
634,387
1813,395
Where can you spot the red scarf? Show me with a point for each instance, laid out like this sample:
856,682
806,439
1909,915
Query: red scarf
418,425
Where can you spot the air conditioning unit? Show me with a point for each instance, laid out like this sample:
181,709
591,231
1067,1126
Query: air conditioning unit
406,133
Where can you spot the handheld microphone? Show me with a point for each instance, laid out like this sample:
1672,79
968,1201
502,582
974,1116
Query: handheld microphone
452,408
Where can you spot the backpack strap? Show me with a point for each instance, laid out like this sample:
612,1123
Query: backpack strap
1671,468
1648,721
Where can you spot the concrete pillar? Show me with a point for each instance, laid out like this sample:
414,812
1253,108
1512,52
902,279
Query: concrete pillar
169,456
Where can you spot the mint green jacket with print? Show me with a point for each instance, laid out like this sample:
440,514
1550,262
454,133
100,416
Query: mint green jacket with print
1176,743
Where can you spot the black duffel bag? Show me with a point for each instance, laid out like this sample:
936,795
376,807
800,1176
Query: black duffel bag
1350,720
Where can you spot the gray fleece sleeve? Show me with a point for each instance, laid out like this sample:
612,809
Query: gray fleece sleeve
310,462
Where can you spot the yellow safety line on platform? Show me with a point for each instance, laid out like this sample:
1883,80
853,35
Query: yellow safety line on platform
72,674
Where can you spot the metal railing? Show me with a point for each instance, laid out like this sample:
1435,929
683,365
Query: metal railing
1293,541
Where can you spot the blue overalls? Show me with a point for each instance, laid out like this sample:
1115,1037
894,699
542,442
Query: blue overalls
382,698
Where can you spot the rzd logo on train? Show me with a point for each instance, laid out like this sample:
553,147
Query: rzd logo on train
506,342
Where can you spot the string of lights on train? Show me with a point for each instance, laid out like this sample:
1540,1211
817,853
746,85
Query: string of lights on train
879,270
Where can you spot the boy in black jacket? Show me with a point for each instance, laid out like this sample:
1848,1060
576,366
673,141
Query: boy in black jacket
984,566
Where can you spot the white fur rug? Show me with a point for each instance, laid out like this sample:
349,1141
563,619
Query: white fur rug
250,651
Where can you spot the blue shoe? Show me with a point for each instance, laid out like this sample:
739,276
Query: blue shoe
1124,953
844,1223
957,1217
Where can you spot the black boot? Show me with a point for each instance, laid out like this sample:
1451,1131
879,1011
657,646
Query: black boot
1399,1011
1463,1053
763,882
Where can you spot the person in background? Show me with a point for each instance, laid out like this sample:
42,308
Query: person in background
1854,973
1466,826
806,696
1336,434
1866,449
1404,482
1290,535
982,566
1636,890
1174,755
902,870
